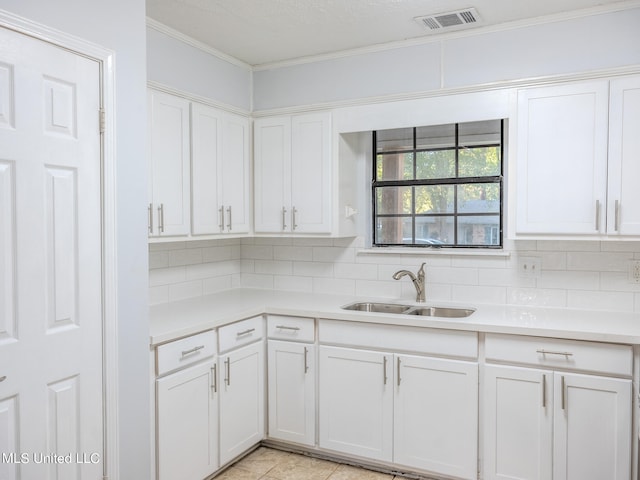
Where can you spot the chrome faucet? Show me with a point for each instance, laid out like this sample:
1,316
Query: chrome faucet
418,281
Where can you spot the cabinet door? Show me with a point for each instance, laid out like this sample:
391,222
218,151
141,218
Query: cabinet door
518,421
206,146
562,159
356,402
623,211
436,415
311,173
169,187
292,392
241,400
187,430
272,170
234,173
592,428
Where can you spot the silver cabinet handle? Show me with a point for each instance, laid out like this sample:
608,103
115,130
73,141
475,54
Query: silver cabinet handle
597,215
150,210
230,222
227,364
384,370
616,216
221,212
562,386
214,378
161,218
284,327
3,378
553,352
284,218
294,224
192,350
544,391
306,363
398,372
245,332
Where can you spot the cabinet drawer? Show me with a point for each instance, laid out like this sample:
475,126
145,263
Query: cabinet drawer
431,341
240,333
290,328
560,354
184,352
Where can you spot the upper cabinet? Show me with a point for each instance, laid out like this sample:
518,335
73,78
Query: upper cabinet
220,172
169,177
199,169
293,174
574,159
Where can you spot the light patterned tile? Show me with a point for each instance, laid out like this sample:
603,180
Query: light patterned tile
263,460
346,472
300,467
237,472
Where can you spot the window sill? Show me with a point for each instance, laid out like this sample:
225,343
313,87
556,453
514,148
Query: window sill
452,252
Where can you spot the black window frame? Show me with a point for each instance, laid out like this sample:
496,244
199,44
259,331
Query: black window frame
457,180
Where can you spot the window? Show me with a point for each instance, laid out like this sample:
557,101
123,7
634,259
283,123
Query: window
439,186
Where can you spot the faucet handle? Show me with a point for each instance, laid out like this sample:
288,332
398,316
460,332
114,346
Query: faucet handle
421,270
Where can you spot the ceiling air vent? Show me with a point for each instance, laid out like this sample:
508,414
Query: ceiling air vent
450,20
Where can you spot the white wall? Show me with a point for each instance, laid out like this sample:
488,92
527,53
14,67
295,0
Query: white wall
119,25
196,71
603,41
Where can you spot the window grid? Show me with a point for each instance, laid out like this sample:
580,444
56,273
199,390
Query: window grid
456,181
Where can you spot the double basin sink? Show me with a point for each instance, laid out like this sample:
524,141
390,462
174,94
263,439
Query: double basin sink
403,309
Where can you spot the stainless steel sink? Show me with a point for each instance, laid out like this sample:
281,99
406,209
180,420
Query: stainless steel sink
445,312
377,307
420,310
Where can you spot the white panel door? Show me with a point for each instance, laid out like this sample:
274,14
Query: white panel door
187,417
292,392
169,165
623,211
234,173
562,159
592,427
436,415
206,152
518,422
311,173
241,400
272,170
356,402
50,262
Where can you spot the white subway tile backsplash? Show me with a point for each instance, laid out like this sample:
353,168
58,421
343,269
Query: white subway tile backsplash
573,273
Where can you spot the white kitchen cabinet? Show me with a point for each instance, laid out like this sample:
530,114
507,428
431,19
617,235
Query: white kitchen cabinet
356,402
292,391
186,408
436,415
623,211
576,159
169,166
542,422
220,172
561,159
293,189
241,400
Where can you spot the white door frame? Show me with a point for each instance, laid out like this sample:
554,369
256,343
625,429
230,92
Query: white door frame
106,59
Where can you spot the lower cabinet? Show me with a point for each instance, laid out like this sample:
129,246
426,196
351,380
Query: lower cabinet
242,400
551,424
419,412
187,413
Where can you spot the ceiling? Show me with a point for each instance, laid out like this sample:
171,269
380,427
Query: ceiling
266,31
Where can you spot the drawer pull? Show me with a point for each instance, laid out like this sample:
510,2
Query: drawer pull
227,364
192,350
544,391
245,332
384,370
3,378
306,361
552,352
398,373
284,327
563,388
214,378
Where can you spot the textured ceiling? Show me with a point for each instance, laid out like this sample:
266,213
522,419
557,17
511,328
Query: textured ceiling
265,31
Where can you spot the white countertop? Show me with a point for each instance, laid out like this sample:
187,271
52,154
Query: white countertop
174,320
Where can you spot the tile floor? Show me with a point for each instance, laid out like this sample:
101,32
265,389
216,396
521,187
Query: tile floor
270,464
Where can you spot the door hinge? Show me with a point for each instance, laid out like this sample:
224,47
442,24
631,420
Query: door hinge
102,120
